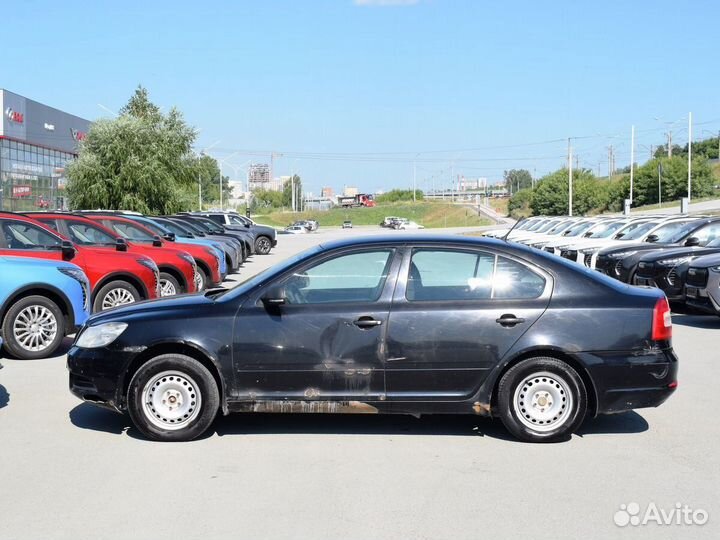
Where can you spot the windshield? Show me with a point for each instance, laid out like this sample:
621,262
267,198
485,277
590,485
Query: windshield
578,229
129,231
557,229
640,231
628,228
677,234
176,228
547,226
607,230
194,227
208,224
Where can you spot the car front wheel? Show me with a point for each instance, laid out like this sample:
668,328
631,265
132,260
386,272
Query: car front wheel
263,245
542,400
173,398
114,294
169,286
33,328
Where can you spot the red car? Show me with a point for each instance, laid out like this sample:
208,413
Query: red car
177,266
208,267
116,277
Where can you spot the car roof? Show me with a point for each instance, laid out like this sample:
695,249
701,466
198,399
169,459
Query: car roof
439,239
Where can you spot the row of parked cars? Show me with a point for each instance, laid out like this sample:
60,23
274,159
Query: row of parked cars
679,254
399,223
59,267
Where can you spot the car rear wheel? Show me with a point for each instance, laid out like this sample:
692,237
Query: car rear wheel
173,398
169,286
263,245
542,400
33,328
114,294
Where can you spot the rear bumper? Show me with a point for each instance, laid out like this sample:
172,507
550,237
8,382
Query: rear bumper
622,383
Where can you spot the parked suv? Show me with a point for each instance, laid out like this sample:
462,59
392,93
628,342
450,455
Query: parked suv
206,226
703,284
116,277
41,302
177,268
264,237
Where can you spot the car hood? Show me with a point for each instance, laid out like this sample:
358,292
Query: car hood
635,246
36,262
706,261
182,302
673,252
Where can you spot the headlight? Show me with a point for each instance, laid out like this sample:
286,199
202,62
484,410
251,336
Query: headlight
590,250
101,335
674,261
622,254
715,268
149,263
74,273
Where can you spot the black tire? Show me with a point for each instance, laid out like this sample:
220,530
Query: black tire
14,345
205,390
202,281
118,285
172,282
263,245
558,386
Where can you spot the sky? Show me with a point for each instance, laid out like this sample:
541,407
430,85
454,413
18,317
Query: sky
380,93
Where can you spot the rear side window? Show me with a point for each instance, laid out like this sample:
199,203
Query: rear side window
446,275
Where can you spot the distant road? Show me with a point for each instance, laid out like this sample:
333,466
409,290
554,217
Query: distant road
695,208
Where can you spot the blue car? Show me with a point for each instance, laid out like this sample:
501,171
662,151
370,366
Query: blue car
41,301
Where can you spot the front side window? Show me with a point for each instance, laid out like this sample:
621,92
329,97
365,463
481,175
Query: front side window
27,236
89,235
355,277
708,233
446,275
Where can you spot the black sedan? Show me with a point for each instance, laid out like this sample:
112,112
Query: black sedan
667,268
411,325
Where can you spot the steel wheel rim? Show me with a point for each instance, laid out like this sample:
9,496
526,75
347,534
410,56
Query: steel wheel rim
263,245
117,297
171,400
543,401
167,288
35,328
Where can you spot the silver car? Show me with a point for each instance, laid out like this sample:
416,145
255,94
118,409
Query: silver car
702,287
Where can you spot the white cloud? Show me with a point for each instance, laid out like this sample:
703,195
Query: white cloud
385,3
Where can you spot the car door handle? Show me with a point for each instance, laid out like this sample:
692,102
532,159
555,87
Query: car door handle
509,320
366,322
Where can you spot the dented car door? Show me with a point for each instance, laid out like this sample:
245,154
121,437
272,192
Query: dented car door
323,340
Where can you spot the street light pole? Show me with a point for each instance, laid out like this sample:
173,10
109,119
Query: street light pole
689,157
632,160
570,178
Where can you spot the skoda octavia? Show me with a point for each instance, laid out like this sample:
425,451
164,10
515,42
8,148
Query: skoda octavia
411,325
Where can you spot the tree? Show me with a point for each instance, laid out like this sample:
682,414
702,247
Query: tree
674,179
205,170
397,195
141,160
287,192
519,204
551,193
517,179
263,198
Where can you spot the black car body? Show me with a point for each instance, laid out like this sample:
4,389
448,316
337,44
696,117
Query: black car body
264,237
621,262
421,324
211,227
667,268
702,289
199,228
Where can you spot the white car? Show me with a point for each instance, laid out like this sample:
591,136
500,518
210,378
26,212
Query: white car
410,225
296,229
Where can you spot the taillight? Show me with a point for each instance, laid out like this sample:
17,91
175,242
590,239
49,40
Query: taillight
662,321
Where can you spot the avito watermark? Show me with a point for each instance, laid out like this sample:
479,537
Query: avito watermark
680,514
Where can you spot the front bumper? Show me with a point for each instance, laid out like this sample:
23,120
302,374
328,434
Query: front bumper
622,383
664,279
700,299
96,375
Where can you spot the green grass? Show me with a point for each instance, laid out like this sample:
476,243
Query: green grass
429,214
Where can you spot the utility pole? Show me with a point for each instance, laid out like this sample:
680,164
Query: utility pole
221,201
689,156
632,160
199,193
414,179
669,143
570,180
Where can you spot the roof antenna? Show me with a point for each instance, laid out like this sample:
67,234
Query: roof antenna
512,228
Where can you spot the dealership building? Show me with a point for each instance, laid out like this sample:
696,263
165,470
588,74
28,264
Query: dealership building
36,144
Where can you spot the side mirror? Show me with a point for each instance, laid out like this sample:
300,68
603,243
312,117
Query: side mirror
170,237
68,250
120,244
587,235
692,241
274,298
652,238
619,235
157,241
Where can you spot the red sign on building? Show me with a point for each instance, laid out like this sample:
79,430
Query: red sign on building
22,191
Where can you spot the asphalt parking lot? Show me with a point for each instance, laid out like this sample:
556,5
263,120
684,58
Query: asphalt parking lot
71,470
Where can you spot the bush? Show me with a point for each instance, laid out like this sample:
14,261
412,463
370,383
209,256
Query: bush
398,195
